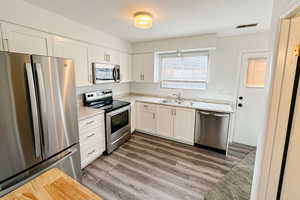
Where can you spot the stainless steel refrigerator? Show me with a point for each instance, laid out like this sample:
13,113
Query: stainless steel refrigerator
38,118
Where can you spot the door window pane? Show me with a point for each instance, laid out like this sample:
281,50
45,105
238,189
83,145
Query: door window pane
256,72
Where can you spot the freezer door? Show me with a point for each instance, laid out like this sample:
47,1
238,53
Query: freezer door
20,146
57,96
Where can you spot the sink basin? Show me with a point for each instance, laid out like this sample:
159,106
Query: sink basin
172,101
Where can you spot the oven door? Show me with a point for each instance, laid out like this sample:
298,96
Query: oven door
103,73
117,128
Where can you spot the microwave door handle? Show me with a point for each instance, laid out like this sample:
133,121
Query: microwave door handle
43,101
114,74
34,110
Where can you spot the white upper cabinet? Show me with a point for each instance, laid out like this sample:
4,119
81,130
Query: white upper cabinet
112,56
24,40
184,123
1,39
96,54
125,67
144,69
78,51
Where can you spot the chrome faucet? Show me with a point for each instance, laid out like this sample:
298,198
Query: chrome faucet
178,97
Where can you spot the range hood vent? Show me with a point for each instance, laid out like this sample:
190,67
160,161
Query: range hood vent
246,25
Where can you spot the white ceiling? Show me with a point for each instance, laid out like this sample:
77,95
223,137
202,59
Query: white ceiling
172,18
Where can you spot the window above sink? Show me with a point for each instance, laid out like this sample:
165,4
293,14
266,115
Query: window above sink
185,69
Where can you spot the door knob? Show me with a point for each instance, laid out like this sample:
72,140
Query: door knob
241,98
240,105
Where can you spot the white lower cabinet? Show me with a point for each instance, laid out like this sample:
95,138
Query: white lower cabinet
166,121
184,123
146,117
91,139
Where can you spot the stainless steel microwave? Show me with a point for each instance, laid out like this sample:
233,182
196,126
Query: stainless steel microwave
105,73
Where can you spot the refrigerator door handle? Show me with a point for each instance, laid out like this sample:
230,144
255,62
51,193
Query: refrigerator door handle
34,110
43,103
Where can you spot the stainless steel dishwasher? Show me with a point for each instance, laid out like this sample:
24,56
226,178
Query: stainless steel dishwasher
211,129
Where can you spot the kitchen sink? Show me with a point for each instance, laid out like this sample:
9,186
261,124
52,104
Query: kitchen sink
172,101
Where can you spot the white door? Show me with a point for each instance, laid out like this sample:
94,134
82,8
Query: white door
79,53
125,71
148,67
184,123
165,121
146,121
252,97
24,40
137,67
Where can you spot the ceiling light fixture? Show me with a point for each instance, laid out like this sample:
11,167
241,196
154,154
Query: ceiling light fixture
143,20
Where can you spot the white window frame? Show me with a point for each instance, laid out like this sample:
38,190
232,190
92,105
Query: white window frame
206,51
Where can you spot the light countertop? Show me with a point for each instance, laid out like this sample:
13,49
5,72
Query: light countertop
86,112
52,185
206,106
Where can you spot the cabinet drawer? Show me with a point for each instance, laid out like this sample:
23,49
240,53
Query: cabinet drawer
90,152
91,122
147,107
92,133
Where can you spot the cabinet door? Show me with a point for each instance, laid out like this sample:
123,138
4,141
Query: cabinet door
125,65
24,40
112,56
1,39
148,67
137,67
96,54
165,121
146,117
79,53
184,122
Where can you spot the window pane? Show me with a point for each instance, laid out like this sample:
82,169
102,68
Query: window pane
189,67
256,72
184,85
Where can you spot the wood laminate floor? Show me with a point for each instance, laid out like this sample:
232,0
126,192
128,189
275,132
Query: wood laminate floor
152,168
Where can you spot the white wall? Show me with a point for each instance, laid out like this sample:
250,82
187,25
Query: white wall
23,13
224,66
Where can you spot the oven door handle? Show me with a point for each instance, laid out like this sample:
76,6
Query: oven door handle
118,111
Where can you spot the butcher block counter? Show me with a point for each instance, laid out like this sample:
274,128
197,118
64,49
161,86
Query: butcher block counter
52,185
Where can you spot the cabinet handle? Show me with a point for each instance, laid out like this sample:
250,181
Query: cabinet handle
90,153
145,106
91,135
153,115
6,45
90,122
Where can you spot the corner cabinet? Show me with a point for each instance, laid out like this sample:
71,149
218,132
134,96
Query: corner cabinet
78,51
144,68
24,40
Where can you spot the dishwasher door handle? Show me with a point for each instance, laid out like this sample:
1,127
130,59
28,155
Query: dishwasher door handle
205,113
220,115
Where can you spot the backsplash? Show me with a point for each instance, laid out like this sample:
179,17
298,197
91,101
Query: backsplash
154,89
117,88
